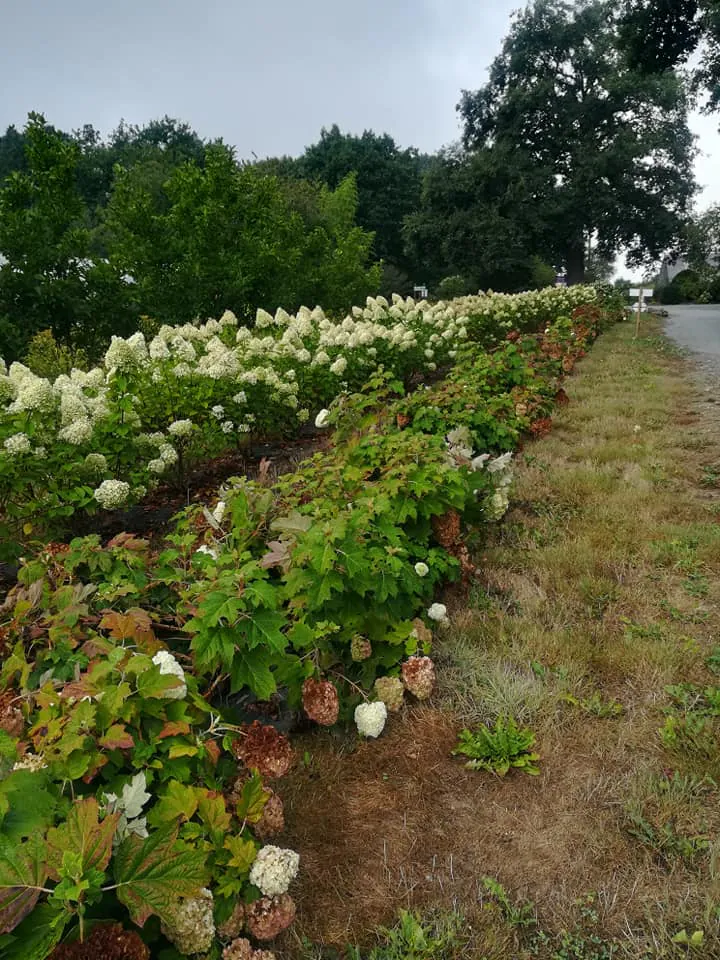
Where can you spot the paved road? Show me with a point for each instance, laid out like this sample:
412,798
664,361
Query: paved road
696,328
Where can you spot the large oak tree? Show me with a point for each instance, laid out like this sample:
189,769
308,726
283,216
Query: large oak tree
614,141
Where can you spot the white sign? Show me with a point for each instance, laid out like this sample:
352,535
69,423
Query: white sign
641,292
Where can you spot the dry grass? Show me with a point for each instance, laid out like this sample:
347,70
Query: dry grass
601,585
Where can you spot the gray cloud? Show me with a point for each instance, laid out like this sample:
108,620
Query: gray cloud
265,76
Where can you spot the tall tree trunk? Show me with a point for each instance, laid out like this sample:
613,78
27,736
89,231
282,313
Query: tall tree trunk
576,263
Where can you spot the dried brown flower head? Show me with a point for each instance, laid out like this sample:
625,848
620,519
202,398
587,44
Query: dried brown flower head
320,701
447,528
106,942
242,949
272,820
418,675
11,716
360,648
391,691
269,916
234,924
263,748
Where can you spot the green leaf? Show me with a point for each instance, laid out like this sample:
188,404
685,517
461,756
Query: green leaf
152,873
22,875
8,749
181,749
300,636
252,800
30,807
36,936
218,606
264,630
253,670
213,813
179,802
293,523
77,764
84,834
243,853
154,685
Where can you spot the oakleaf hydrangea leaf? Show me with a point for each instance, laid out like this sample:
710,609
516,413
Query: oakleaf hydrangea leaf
151,874
22,875
84,834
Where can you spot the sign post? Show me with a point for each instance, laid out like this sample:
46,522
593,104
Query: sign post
641,293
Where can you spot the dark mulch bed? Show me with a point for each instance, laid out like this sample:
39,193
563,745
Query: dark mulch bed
151,518
153,515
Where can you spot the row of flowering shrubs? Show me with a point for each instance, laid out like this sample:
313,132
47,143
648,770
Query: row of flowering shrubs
138,804
102,438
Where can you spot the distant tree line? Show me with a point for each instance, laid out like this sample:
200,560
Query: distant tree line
577,147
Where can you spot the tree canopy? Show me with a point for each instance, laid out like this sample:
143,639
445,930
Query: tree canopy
175,234
613,141
659,35
704,240
389,182
482,217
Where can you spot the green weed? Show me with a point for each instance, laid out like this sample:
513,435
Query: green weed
500,749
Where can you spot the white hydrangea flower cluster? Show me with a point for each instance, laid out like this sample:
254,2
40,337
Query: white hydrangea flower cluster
438,612
500,469
168,454
17,444
78,432
112,494
32,394
497,505
459,444
170,667
209,551
274,869
126,354
181,428
189,923
94,463
32,762
370,718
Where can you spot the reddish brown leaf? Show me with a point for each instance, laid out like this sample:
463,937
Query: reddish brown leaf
96,646
134,624
82,833
173,727
77,689
128,541
98,763
278,555
117,738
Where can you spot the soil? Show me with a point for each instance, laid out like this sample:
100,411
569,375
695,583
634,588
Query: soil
405,825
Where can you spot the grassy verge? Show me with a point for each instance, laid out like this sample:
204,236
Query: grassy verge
594,623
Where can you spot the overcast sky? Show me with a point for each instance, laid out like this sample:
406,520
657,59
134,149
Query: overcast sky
264,75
